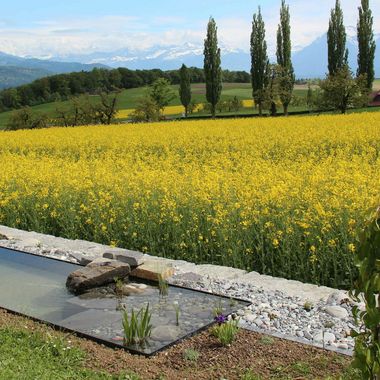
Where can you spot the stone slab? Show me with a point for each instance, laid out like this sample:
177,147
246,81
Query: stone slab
133,258
152,269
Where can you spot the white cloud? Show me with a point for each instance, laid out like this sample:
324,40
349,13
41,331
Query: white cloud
108,33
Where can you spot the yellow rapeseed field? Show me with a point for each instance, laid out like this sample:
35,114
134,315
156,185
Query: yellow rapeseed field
283,196
170,110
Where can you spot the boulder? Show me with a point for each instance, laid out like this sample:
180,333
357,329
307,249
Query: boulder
337,312
95,274
152,269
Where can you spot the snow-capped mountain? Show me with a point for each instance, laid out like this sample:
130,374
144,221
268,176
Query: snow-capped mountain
309,61
164,58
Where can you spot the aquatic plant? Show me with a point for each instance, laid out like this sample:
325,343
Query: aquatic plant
163,286
118,286
218,308
137,326
177,313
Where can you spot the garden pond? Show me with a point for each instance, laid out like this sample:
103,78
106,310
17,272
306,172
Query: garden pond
35,286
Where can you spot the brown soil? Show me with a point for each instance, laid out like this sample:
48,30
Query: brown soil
265,356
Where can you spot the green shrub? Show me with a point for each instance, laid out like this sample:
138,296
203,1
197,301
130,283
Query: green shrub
25,118
367,347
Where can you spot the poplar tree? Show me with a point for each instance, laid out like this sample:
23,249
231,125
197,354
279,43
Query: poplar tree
367,45
259,60
336,41
284,58
185,88
212,68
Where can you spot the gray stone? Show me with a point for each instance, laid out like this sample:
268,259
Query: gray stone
250,318
165,333
258,322
336,298
337,312
307,335
96,274
133,258
327,337
81,258
342,346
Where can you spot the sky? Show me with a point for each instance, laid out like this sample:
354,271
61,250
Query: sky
43,28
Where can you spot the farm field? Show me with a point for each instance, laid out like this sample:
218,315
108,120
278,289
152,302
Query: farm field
280,196
128,100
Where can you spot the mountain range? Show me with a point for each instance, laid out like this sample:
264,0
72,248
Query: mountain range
15,71
308,62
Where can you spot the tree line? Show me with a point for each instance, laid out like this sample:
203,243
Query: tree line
65,86
273,83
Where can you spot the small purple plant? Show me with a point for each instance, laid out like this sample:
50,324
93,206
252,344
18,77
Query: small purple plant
220,319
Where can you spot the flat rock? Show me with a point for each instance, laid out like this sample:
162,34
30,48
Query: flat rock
152,270
165,333
30,242
218,272
92,319
133,258
94,303
81,258
189,277
97,273
337,312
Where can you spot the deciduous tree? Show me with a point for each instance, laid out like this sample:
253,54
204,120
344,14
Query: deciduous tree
161,93
341,90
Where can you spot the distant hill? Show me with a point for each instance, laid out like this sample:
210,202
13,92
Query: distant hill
311,61
15,71
13,76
